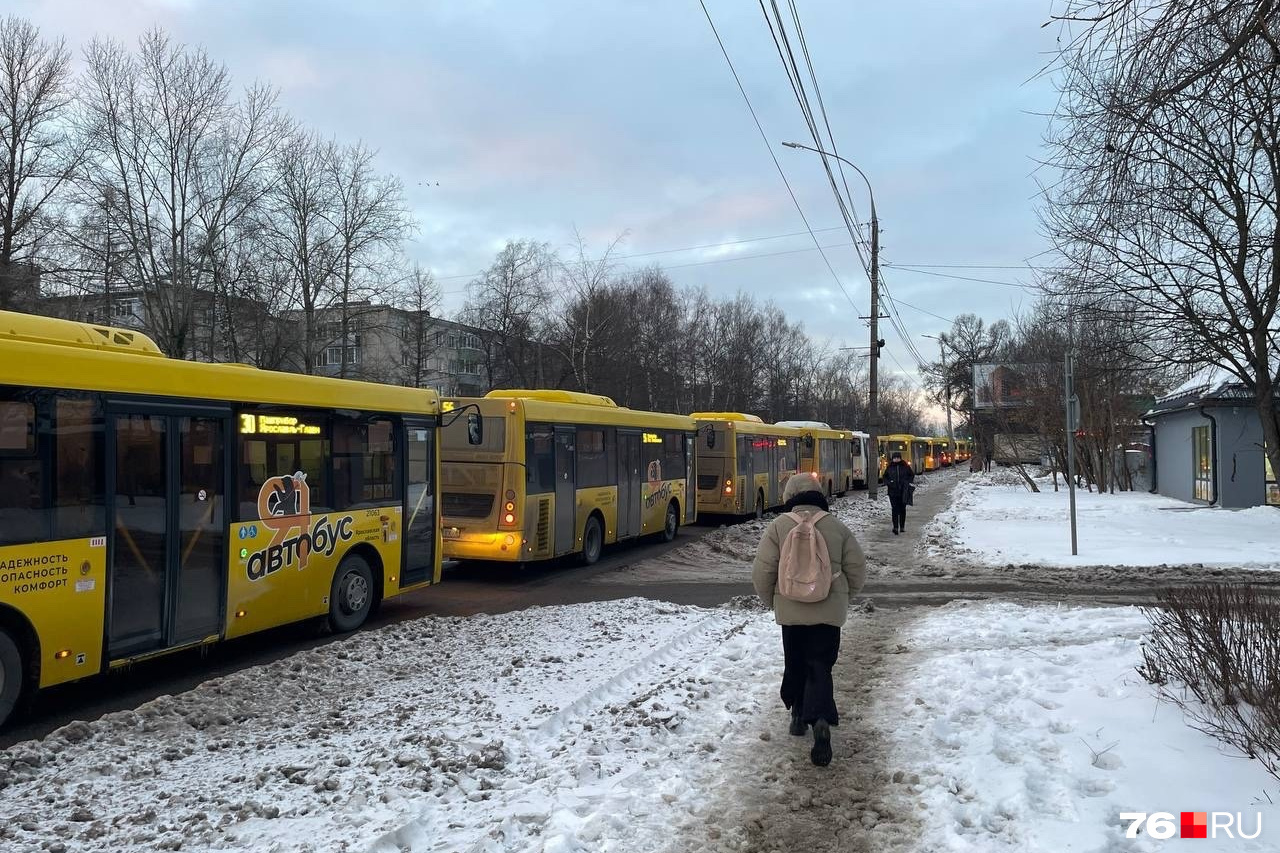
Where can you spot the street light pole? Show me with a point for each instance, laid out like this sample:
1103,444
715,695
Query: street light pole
873,393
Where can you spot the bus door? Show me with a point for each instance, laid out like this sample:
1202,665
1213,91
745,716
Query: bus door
566,491
420,503
166,487
629,482
746,474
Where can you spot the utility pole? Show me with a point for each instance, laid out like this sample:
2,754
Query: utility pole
873,395
1073,417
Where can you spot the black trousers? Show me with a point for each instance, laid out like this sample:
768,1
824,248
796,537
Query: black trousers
898,503
809,652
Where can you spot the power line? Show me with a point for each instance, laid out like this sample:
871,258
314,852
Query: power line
677,251
707,263
1026,287
924,311
772,156
844,200
968,266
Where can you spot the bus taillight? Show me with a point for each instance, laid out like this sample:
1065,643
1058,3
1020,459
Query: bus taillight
508,514
728,487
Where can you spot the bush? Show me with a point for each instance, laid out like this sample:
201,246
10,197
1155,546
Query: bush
1214,651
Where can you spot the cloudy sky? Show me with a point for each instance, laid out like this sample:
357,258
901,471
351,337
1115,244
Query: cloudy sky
522,119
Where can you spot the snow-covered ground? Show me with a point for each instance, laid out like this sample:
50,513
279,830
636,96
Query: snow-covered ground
641,726
996,522
544,729
1027,728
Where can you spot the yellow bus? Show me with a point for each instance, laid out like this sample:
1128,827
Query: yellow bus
540,474
898,442
963,451
149,504
921,454
942,452
743,463
826,452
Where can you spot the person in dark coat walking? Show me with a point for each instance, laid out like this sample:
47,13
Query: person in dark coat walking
898,479
810,629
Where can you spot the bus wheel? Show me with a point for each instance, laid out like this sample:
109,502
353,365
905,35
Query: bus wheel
759,504
592,541
351,597
671,524
11,675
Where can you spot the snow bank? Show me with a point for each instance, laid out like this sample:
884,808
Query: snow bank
993,522
552,726
1026,728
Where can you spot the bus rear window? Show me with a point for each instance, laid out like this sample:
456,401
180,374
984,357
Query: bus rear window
454,436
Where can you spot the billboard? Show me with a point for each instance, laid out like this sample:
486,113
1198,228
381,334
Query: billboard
1000,385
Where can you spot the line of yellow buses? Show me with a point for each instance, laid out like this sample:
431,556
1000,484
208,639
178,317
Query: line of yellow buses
924,453
150,504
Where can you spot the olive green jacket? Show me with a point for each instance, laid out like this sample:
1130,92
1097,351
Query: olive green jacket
848,572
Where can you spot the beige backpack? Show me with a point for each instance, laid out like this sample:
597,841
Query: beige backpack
804,567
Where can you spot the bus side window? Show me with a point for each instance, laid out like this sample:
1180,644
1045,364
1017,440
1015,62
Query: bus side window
80,490
673,467
363,462
22,515
539,457
265,455
595,465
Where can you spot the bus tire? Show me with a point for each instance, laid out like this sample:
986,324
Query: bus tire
351,596
760,504
592,541
12,675
671,522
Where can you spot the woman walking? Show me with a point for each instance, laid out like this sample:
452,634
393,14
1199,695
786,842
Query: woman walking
898,482
810,628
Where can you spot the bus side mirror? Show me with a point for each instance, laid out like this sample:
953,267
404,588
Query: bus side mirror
475,429
711,438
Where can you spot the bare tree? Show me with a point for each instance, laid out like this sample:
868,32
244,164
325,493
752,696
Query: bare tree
369,220
586,312
38,151
419,298
1144,42
1169,202
507,304
181,160
300,239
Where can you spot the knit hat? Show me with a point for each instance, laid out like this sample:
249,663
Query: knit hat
805,481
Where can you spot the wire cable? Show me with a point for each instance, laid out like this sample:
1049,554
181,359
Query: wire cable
772,156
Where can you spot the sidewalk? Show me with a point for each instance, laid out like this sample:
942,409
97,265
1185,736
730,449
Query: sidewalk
890,556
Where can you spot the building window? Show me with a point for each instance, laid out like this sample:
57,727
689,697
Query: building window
1202,459
332,356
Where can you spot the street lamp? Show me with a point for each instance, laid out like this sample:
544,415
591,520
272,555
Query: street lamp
873,396
946,380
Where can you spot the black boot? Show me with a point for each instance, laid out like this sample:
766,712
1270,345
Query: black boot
798,728
821,753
